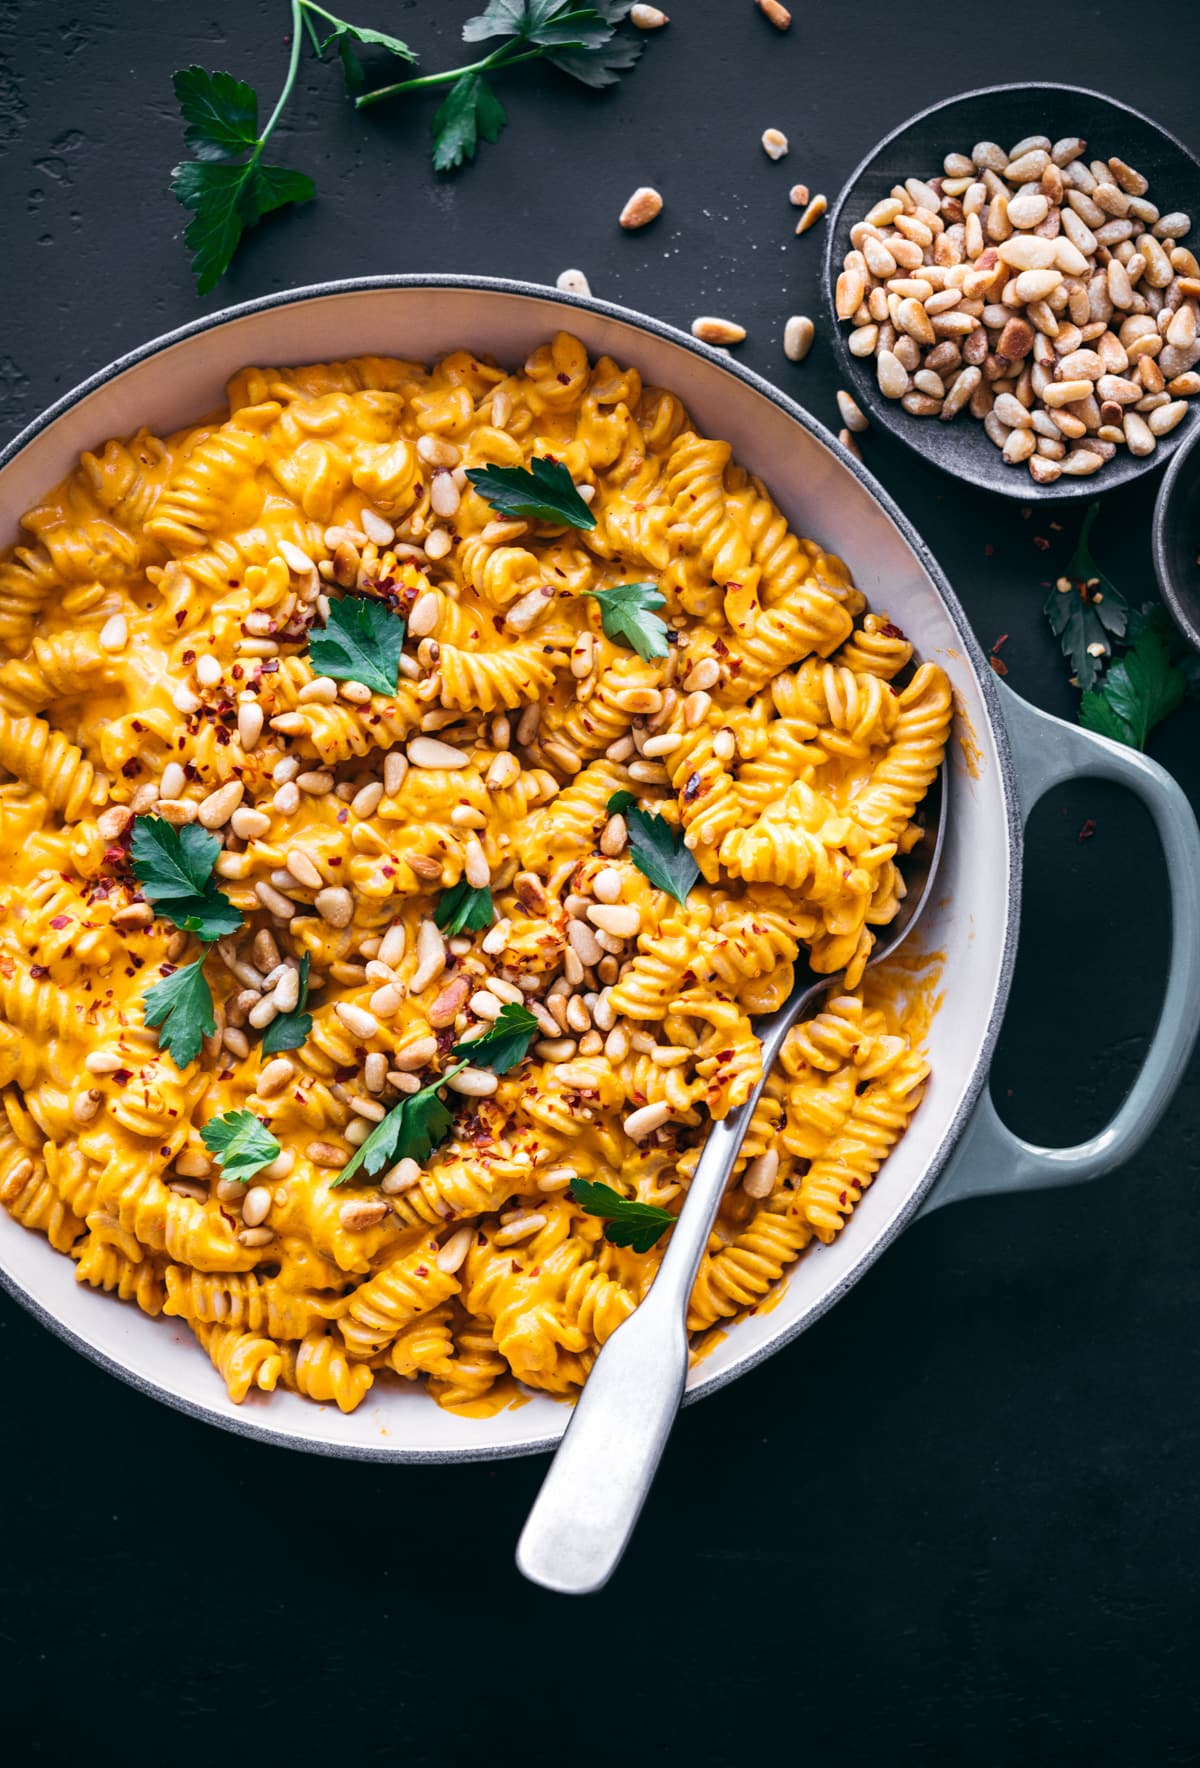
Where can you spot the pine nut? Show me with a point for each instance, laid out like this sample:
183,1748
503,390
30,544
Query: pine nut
362,1213
114,634
711,330
474,1083
453,1252
798,336
574,282
645,1120
622,920
430,752
256,1205
816,207
642,208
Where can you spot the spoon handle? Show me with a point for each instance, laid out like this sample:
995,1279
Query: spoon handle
590,1499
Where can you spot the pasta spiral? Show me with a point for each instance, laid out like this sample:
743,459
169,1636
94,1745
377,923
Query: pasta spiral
419,837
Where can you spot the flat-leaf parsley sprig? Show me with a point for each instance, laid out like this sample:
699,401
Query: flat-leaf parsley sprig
410,1131
544,491
579,37
1085,610
174,869
1146,684
656,849
629,1223
360,641
241,1142
229,186
628,618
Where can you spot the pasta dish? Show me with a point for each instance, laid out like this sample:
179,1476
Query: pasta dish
415,781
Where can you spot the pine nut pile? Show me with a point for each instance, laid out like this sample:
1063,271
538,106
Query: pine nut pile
1040,290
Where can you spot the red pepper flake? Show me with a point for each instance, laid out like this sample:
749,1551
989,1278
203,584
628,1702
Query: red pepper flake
1042,544
122,1075
999,643
422,1271
39,971
1087,830
693,788
890,631
60,921
989,551
998,664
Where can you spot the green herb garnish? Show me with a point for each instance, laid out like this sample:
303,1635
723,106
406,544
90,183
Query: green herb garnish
625,615
542,492
638,1225
181,1006
344,36
241,1142
361,641
462,906
576,36
506,1042
469,113
1086,610
289,1030
229,187
410,1131
1145,685
657,850
174,868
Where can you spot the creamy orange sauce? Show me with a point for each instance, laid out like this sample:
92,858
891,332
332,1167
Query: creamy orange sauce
155,629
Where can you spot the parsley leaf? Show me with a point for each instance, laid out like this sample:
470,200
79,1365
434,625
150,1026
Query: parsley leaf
181,1005
1142,688
638,1225
241,1142
603,64
221,113
656,849
462,906
289,1030
544,22
625,614
544,492
227,200
506,1043
174,868
1084,608
344,36
361,641
469,112
411,1130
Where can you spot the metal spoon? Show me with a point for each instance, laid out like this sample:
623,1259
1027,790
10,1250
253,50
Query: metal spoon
590,1500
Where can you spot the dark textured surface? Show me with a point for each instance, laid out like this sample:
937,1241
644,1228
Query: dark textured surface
955,1523
917,148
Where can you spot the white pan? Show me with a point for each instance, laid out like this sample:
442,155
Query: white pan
1004,756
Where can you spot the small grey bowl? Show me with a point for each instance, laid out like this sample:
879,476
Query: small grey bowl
1176,538
916,149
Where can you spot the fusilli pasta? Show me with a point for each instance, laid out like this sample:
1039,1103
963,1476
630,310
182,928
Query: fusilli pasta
155,627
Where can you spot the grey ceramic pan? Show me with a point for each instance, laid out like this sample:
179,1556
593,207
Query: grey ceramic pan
1004,757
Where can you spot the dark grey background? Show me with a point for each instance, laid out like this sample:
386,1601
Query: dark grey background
957,1522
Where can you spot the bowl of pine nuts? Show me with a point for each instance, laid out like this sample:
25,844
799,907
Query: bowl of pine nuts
1013,291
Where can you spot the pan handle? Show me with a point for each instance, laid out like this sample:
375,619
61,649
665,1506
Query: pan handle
990,1158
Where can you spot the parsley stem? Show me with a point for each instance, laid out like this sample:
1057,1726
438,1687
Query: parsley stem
289,82
498,58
